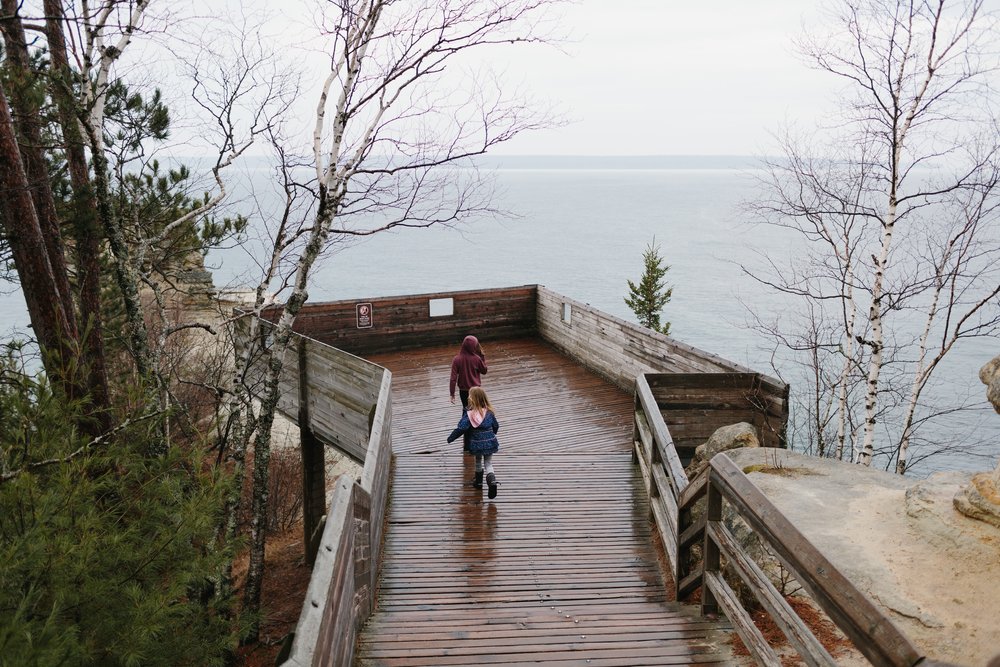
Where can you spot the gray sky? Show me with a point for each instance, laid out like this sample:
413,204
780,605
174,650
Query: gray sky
635,77
649,77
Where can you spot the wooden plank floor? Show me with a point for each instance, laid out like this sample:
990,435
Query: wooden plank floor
560,568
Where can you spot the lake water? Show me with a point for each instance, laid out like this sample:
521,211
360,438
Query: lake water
580,229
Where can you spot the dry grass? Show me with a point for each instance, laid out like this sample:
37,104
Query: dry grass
780,471
822,628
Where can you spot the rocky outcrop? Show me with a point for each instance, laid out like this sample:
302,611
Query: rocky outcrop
981,498
725,438
990,376
897,538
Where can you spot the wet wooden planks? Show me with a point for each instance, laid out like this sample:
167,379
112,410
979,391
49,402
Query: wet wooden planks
560,568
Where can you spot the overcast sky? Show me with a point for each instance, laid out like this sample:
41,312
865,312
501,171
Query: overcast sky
634,77
658,77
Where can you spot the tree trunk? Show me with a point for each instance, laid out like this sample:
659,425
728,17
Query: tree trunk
29,131
85,223
269,402
877,337
41,293
126,275
842,390
919,380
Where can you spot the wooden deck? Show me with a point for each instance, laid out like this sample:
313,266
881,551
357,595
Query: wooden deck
561,567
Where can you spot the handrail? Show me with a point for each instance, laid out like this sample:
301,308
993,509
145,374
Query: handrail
664,443
662,471
868,628
672,498
341,592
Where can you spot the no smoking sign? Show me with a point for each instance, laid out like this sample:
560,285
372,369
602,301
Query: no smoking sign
364,313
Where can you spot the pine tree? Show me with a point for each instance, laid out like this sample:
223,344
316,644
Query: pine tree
108,554
649,297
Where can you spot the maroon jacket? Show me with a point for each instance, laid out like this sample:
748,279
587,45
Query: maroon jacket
467,366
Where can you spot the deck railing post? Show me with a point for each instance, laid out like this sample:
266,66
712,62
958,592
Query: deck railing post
313,464
783,429
636,407
683,550
711,561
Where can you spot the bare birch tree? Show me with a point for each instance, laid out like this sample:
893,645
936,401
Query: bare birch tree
399,117
122,201
392,144
898,215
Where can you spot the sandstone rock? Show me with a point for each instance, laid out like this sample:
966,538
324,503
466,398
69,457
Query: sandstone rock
990,376
900,541
725,438
981,499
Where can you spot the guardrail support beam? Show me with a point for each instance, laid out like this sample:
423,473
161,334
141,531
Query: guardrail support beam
709,605
313,464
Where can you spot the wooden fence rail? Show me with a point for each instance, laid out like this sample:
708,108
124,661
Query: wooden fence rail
341,593
616,349
346,402
674,501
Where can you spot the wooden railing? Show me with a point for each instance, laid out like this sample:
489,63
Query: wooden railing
417,320
341,401
617,349
341,591
672,498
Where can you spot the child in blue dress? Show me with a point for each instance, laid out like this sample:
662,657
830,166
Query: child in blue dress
480,422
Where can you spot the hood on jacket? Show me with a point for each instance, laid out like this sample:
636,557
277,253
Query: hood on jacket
476,417
470,344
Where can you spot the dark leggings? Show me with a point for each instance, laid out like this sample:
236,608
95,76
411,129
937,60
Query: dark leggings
463,394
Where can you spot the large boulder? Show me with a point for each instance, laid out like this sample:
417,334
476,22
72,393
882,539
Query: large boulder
990,376
734,436
981,499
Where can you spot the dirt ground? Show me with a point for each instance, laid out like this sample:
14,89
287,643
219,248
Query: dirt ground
286,578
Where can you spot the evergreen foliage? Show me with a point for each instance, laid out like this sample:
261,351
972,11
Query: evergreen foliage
108,554
649,297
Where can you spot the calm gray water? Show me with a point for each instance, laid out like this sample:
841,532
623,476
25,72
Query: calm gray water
581,232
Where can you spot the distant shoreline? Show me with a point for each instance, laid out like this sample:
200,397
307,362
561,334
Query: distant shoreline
620,162
548,162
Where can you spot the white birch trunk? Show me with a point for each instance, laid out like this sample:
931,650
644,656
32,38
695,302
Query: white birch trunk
332,185
919,380
842,390
877,337
269,403
881,264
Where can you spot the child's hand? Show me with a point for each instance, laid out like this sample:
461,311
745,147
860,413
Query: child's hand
453,400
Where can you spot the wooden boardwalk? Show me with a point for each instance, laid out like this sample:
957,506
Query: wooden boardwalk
561,567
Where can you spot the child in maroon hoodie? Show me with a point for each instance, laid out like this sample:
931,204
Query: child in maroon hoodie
466,367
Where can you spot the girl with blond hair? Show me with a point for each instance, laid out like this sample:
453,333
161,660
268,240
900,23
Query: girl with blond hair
480,423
